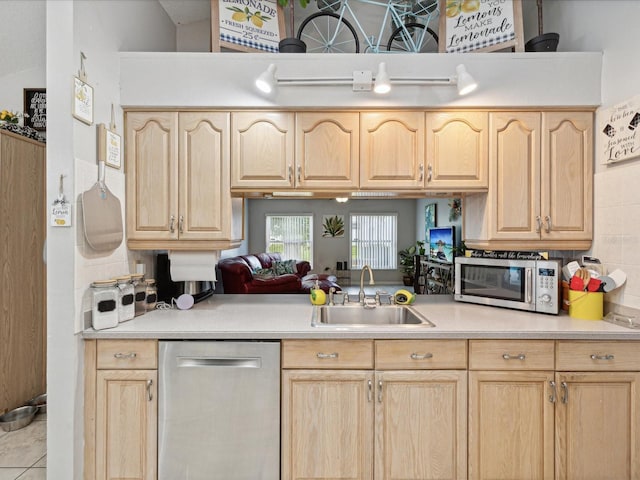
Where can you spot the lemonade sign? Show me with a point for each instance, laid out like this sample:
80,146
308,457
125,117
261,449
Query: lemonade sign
480,25
252,24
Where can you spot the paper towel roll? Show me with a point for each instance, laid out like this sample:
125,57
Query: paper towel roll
197,266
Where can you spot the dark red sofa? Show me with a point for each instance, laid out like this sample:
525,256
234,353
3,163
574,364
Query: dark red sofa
237,274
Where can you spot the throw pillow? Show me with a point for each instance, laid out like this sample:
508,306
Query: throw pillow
287,266
263,273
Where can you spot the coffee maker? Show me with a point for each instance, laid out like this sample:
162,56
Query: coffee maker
168,289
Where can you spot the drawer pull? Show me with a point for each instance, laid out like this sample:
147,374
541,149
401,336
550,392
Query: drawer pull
554,392
520,356
421,356
602,357
322,356
130,355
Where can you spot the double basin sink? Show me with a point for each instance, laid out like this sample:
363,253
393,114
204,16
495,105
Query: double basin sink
378,315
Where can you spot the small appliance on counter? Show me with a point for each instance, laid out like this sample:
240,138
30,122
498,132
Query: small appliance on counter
524,284
168,289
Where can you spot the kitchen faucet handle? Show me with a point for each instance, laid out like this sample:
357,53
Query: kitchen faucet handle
383,292
332,290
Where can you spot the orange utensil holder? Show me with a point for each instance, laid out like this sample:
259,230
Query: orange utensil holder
586,305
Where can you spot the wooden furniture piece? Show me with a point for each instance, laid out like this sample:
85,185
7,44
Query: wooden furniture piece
121,409
541,183
178,193
511,432
22,270
432,277
413,404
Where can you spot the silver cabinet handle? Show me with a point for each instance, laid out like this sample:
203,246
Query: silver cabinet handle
429,173
508,356
180,223
290,173
130,355
379,391
421,173
565,392
149,393
369,391
548,220
172,224
321,355
608,356
299,173
421,356
538,224
554,392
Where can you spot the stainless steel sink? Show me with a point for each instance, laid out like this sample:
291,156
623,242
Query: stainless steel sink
356,315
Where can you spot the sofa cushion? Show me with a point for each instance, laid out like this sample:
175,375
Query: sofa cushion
286,266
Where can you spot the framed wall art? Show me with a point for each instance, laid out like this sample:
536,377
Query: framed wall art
82,101
429,219
480,25
109,147
35,108
246,26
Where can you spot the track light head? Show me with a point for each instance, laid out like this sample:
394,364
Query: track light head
382,82
267,82
466,83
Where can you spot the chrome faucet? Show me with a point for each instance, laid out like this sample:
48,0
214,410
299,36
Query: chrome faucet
371,282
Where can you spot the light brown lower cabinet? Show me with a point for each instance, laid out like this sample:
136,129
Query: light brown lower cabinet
365,424
121,410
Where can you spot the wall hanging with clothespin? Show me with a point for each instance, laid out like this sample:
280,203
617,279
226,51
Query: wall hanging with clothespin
61,209
82,95
109,144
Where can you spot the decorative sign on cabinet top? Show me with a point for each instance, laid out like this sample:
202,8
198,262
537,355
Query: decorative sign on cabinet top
618,131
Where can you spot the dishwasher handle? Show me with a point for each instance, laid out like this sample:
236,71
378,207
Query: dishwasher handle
233,362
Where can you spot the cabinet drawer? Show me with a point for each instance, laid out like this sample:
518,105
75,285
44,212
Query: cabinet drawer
421,354
511,354
327,354
594,356
127,354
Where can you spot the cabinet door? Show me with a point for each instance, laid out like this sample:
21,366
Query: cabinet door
327,150
262,150
457,151
327,424
126,424
567,175
421,425
510,425
152,175
598,426
205,198
514,199
392,150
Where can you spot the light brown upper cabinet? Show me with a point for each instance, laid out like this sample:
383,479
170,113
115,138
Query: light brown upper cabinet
178,193
262,150
457,152
541,183
286,150
392,150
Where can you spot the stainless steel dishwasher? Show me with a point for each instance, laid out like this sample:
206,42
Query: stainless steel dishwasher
219,410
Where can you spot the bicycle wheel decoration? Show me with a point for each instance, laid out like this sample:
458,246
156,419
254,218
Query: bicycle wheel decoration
326,32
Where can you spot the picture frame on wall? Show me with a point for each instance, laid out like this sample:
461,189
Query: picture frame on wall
480,26
35,108
109,147
258,27
82,101
429,219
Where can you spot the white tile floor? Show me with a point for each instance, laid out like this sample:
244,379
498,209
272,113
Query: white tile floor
23,453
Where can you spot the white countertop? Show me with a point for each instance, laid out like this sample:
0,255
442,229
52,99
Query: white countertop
289,316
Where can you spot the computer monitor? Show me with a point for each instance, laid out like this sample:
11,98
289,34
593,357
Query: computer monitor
442,243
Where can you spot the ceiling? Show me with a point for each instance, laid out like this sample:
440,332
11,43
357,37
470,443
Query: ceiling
183,12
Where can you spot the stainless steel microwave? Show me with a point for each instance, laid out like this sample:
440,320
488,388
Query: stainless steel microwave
531,285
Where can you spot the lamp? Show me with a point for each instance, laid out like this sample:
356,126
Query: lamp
466,83
363,80
382,83
342,199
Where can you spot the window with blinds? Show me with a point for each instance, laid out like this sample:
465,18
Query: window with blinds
291,236
374,241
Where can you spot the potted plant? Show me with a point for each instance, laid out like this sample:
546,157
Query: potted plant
292,44
547,42
408,261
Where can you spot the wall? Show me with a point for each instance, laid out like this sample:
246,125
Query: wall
100,29
327,251
442,217
586,25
